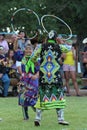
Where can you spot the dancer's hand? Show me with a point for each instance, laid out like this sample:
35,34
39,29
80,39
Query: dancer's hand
35,76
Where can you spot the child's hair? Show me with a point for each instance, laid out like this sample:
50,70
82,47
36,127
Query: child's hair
30,46
12,56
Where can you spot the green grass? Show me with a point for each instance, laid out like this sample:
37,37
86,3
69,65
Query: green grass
75,113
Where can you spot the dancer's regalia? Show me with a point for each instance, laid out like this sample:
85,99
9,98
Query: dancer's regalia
50,80
28,90
51,91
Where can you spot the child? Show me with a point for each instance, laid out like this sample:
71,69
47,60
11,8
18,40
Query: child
28,90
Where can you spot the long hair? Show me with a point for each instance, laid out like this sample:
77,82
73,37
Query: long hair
24,33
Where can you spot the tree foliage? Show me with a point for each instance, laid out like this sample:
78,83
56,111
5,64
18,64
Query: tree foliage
73,12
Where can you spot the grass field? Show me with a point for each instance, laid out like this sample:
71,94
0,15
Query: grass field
75,113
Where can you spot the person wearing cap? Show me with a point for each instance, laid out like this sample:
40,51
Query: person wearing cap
69,68
50,80
84,57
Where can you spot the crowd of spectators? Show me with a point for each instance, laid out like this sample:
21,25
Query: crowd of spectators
9,66
8,49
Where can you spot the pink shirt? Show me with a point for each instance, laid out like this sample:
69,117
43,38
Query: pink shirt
5,45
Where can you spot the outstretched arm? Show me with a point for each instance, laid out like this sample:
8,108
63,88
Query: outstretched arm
65,48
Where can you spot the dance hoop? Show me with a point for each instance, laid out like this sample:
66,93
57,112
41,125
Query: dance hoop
8,33
24,9
42,18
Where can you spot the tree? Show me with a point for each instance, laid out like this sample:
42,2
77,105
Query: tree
73,12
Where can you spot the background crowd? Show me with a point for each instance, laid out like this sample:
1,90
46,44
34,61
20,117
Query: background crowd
9,66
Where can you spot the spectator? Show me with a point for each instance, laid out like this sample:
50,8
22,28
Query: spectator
3,73
10,58
21,41
11,65
69,68
12,42
84,54
18,55
4,44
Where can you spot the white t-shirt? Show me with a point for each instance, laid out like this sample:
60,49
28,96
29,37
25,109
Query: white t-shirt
18,64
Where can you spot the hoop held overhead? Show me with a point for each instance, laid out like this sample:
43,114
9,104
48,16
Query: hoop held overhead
25,9
70,35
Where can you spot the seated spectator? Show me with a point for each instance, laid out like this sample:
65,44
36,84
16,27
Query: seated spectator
11,64
10,58
12,41
84,57
4,44
3,73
